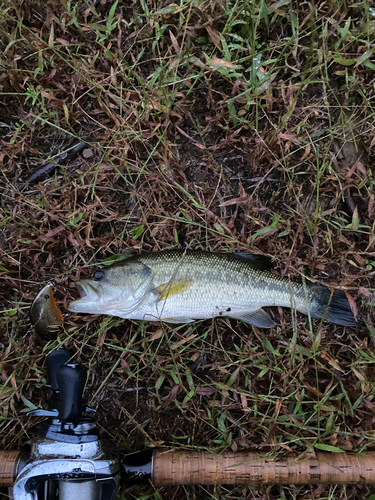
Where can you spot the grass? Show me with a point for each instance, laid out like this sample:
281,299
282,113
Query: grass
210,125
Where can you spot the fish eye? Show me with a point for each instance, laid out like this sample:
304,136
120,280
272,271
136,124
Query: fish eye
99,275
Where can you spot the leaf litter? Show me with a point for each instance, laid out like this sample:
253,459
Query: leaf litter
222,126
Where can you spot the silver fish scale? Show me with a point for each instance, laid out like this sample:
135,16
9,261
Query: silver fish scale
217,285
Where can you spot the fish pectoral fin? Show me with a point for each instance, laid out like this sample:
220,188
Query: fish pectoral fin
173,287
257,318
179,320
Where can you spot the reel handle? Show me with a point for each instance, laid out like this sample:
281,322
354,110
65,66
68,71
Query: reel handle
71,381
55,359
67,382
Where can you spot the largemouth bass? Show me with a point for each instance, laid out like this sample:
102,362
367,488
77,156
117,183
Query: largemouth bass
182,286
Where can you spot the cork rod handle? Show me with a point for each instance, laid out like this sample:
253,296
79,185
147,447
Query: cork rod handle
180,467
9,462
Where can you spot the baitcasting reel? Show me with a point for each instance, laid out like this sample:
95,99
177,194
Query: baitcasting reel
68,460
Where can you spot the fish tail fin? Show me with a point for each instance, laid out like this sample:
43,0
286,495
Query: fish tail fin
335,307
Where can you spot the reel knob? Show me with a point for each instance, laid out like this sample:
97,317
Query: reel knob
71,380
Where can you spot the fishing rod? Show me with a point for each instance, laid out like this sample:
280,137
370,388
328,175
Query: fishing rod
68,457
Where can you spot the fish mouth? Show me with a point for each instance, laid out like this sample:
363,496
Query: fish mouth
81,290
89,295
87,290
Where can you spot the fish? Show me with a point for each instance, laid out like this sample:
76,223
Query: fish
45,314
182,286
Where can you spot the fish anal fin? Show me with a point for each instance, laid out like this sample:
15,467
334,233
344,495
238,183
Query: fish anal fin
175,287
257,318
259,261
179,320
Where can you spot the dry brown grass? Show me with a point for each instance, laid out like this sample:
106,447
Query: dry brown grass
210,125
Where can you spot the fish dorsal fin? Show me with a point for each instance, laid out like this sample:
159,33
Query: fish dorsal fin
257,318
172,288
259,261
